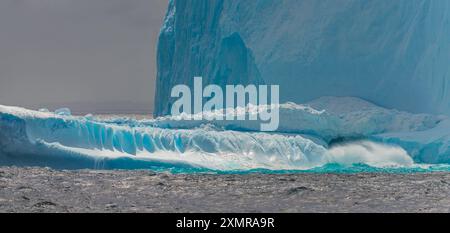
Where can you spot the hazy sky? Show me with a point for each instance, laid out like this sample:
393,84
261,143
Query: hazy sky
84,54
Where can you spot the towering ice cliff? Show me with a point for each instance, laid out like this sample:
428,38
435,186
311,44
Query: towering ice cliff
393,53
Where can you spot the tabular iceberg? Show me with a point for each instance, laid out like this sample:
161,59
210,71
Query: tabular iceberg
392,53
308,139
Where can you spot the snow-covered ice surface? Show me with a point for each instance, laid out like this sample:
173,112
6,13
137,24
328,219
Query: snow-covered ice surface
328,134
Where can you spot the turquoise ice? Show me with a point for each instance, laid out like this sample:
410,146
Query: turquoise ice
326,135
392,53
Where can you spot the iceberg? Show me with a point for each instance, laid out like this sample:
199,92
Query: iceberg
342,131
328,118
428,146
372,77
392,53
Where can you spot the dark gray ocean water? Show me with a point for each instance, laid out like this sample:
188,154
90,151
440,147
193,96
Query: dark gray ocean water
46,190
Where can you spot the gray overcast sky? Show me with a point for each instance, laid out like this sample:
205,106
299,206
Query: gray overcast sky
84,54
